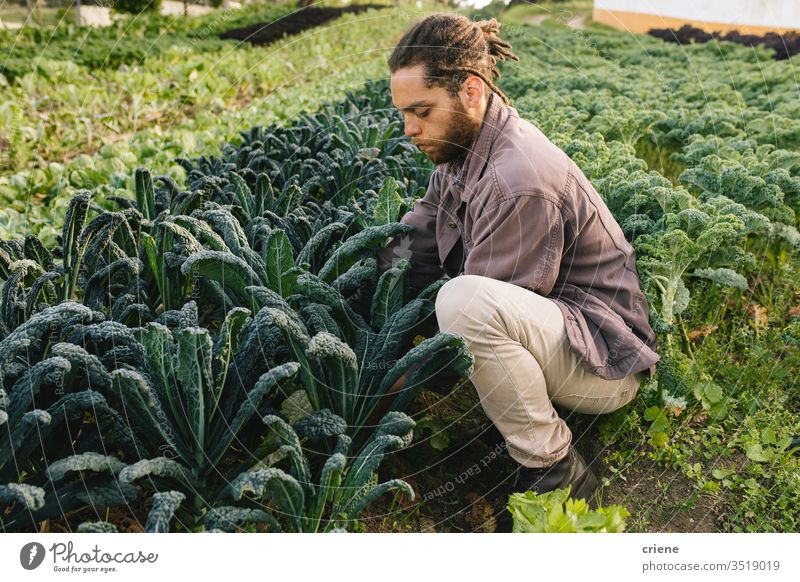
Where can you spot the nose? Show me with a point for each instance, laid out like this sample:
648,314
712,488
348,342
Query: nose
410,128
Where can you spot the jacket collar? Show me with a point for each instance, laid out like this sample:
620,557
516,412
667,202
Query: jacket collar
471,169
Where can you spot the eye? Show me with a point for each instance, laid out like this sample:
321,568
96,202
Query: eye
424,113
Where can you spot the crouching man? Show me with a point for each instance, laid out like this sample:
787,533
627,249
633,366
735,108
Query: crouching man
543,286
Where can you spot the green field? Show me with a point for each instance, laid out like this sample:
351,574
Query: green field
187,221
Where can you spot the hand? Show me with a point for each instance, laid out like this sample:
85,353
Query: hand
397,386
356,300
386,400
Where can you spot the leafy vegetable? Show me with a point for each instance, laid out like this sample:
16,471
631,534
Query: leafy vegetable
556,512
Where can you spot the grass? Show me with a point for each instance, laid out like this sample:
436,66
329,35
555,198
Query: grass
732,473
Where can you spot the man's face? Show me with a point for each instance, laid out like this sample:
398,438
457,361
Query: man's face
440,125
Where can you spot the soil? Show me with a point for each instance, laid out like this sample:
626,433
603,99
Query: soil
660,499
269,32
130,519
464,488
577,22
784,45
459,489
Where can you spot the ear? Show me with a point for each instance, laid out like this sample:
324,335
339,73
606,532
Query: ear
473,92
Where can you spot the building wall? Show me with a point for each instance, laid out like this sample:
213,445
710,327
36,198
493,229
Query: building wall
746,16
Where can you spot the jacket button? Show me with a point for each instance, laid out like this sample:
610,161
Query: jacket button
451,224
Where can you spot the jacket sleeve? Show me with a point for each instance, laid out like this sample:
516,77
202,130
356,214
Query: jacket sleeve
420,245
519,240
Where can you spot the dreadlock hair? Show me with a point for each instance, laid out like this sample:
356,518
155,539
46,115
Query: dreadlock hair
451,47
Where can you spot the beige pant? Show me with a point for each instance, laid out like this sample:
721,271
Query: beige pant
523,364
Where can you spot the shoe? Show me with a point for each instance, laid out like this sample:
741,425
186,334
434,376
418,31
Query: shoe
571,470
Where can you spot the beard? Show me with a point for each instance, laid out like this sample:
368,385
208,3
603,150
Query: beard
459,135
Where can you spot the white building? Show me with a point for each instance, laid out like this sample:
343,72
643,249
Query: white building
746,16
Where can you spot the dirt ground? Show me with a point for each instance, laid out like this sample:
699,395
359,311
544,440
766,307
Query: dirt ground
464,487
578,22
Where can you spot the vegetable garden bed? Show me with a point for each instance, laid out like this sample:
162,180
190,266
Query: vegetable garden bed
186,100
218,314
683,143
130,40
266,33
198,313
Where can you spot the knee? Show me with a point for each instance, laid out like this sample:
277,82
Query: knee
458,293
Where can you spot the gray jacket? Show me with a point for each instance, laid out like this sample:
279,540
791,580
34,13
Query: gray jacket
519,210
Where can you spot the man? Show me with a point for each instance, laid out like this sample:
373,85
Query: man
543,285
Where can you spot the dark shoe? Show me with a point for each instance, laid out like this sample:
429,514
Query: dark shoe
571,470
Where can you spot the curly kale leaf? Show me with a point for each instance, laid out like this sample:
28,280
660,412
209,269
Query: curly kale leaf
319,425
94,462
165,504
28,496
231,519
97,527
160,467
283,489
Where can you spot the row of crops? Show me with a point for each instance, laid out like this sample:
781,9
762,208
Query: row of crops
152,352
180,343
84,112
127,41
702,173
696,152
